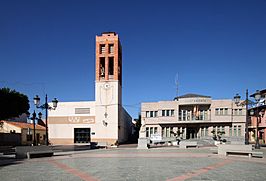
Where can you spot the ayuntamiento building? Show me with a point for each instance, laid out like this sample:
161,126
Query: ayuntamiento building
102,120
194,117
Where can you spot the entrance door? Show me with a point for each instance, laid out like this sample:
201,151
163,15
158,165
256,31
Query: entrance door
82,135
191,133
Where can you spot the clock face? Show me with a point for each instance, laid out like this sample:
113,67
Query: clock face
106,86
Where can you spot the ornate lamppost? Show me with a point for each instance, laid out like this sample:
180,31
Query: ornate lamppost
237,102
257,97
33,118
45,107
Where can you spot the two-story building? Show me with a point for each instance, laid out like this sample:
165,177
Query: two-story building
194,116
258,119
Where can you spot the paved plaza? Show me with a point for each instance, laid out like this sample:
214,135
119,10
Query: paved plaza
162,164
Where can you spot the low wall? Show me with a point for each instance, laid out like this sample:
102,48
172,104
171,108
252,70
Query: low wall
10,139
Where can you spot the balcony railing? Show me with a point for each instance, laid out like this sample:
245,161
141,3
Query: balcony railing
194,118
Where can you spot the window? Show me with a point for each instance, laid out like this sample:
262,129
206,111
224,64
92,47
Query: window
172,112
235,112
82,110
151,114
151,130
155,113
235,131
239,130
216,111
147,132
29,137
184,115
168,132
111,66
102,67
111,48
226,111
206,131
230,130
147,114
163,112
221,111
167,112
163,131
155,130
102,48
240,112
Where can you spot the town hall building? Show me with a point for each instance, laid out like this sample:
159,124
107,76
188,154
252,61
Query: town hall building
102,120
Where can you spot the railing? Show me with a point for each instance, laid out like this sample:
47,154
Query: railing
194,118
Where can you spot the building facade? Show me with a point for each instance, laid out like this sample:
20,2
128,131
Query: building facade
102,120
19,133
259,118
194,117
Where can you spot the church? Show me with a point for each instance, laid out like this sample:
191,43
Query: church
102,120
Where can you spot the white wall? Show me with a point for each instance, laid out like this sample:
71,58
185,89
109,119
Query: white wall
68,108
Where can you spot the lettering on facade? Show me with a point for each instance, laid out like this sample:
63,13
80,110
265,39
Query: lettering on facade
77,119
88,121
196,100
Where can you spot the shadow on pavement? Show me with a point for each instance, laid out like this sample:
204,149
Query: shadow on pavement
8,160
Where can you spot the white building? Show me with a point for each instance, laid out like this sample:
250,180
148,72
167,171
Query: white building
102,120
194,117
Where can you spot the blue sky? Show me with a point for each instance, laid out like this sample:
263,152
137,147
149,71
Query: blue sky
218,48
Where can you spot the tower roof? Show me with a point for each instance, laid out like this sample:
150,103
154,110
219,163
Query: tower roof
109,32
193,95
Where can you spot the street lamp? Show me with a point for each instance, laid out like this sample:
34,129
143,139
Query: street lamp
45,107
33,118
237,102
257,97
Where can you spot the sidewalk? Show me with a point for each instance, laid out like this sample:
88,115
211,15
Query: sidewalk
132,164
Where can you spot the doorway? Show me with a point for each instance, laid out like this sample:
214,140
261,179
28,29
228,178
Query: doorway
191,133
82,135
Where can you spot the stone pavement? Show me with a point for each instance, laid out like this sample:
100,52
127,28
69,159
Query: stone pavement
162,164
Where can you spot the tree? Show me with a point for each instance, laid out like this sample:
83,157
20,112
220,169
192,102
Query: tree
12,103
217,136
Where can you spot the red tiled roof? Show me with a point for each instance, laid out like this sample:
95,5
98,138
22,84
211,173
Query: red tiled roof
25,125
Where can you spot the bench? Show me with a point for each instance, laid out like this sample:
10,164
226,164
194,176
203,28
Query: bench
186,144
257,154
37,154
241,152
33,151
102,145
225,150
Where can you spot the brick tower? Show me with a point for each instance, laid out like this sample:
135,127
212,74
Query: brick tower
108,86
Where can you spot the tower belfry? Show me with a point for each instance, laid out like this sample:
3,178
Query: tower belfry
108,57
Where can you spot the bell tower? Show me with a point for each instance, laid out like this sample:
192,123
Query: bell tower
108,57
108,91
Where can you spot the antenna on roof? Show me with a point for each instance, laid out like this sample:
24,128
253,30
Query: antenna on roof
176,84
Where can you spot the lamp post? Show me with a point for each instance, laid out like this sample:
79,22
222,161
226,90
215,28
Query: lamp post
257,97
45,107
33,118
237,101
